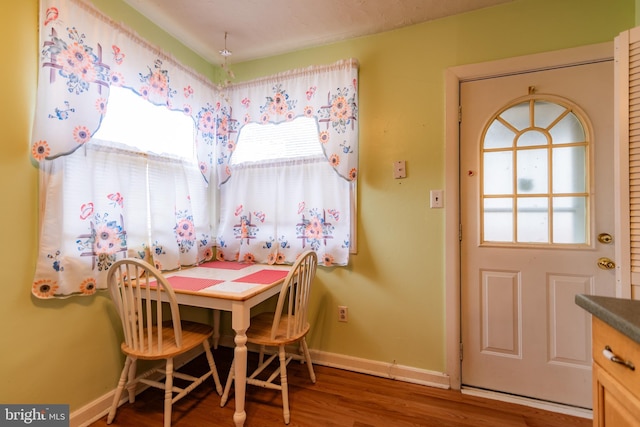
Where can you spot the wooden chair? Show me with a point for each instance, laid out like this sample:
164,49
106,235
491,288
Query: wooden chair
154,331
287,325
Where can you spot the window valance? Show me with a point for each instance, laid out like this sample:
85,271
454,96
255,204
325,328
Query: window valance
82,54
328,93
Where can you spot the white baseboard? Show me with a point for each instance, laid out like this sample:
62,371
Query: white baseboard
370,367
381,369
533,403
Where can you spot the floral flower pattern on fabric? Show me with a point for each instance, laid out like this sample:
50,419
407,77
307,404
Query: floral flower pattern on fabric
105,240
245,230
77,62
156,85
278,104
226,128
44,288
340,110
185,231
315,229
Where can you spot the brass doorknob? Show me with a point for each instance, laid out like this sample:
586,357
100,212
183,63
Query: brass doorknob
606,264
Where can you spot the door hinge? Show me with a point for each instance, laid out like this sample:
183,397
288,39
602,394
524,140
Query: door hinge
459,113
461,352
460,232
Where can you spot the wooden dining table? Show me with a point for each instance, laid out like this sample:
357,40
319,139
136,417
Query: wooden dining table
235,287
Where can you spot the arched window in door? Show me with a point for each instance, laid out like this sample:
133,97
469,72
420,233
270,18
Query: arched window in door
535,157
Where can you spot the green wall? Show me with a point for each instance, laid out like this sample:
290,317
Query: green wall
67,352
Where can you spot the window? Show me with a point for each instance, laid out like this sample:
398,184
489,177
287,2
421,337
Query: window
137,123
268,142
535,157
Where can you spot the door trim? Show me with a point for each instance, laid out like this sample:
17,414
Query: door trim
453,77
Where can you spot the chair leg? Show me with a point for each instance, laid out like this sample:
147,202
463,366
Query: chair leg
121,383
168,393
132,383
212,366
283,384
307,356
227,386
261,355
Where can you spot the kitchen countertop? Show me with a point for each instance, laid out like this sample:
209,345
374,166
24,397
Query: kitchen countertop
619,313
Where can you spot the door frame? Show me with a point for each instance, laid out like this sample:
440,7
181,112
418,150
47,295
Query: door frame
453,77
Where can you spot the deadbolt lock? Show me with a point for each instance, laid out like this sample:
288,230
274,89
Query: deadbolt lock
605,238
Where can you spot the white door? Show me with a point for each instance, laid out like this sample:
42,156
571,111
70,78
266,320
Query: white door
536,187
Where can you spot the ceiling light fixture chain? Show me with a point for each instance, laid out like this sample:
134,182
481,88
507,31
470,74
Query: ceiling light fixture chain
225,54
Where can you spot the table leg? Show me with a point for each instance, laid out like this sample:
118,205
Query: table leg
216,329
240,322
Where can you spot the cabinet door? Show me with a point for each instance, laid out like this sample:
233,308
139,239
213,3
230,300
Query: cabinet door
614,405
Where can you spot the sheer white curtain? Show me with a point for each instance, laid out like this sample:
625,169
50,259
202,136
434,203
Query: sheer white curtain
101,201
117,204
180,211
271,213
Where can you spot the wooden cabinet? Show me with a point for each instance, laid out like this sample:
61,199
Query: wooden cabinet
616,387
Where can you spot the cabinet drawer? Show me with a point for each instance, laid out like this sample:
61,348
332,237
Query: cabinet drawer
623,347
613,405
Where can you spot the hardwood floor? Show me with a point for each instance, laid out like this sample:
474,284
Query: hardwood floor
338,399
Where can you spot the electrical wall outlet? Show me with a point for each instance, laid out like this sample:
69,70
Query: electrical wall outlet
343,313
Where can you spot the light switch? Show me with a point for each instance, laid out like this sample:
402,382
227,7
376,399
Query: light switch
399,169
436,198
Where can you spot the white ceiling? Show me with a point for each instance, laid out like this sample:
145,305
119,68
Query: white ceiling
261,28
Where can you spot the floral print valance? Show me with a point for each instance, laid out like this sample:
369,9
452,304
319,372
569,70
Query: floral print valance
328,93
83,53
